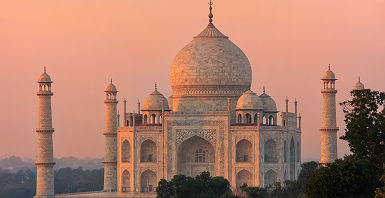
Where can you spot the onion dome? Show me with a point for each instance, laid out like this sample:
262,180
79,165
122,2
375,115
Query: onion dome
153,102
44,77
210,65
329,75
111,87
268,102
359,85
249,101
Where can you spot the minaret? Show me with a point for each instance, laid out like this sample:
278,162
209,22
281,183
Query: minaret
44,162
329,126
110,172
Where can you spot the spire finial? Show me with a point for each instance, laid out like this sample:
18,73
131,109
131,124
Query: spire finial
264,90
211,14
45,69
359,79
156,87
329,66
111,80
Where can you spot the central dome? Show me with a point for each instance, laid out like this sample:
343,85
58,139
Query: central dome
210,65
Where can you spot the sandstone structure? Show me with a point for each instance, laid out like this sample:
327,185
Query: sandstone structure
44,162
329,126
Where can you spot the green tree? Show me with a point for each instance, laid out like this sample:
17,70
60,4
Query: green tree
202,186
349,177
380,192
365,125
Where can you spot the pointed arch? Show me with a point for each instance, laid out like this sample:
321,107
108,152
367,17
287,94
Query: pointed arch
239,118
125,181
126,151
243,177
148,181
248,118
285,152
298,152
270,148
243,151
148,151
292,159
270,177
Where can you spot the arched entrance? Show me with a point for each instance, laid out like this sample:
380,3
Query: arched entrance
148,181
125,181
243,177
126,151
196,155
270,177
292,159
243,151
148,151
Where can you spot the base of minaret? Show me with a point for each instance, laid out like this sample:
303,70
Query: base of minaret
328,146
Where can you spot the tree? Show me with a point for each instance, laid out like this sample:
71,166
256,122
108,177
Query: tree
380,192
202,186
349,177
365,125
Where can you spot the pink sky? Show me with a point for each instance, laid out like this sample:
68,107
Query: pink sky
84,43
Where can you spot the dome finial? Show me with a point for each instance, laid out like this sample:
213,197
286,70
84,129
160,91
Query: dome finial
329,66
264,90
45,69
156,87
111,80
359,79
211,14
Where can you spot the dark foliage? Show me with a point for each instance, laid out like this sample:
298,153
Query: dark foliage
365,125
349,177
202,186
67,180
287,189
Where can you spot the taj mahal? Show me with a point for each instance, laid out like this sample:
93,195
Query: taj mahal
212,122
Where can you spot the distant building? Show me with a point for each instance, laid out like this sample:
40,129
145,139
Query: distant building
212,122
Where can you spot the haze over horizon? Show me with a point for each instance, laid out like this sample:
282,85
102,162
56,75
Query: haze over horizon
85,43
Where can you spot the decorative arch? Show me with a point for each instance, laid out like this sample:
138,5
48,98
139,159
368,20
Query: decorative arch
125,181
148,181
298,152
195,155
271,120
126,151
145,119
153,119
292,159
239,118
256,118
243,177
248,118
270,177
243,151
264,120
148,151
271,154
285,152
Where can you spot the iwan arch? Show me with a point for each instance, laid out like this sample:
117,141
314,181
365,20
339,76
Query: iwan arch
211,122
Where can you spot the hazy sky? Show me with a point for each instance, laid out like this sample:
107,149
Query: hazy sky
85,42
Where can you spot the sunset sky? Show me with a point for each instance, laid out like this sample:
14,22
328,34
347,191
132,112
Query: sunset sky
84,43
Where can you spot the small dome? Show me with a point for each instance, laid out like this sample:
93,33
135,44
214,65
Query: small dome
268,102
45,77
329,74
359,85
249,101
111,88
153,102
